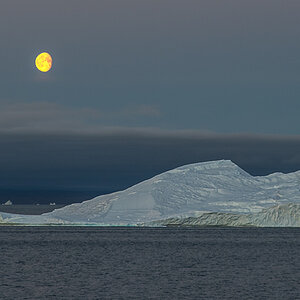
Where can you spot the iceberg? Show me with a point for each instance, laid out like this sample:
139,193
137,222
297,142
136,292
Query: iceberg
215,190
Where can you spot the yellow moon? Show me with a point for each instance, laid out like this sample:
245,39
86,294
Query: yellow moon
43,62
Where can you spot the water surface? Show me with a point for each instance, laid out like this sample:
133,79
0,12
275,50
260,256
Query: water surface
149,263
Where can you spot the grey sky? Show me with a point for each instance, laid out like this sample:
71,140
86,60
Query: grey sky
223,66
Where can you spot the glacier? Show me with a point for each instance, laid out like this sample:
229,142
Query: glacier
206,193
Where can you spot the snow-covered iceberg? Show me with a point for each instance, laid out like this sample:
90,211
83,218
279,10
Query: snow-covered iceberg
195,190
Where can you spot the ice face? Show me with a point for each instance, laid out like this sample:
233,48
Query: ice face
285,215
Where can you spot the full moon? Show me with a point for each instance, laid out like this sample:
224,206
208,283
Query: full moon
43,62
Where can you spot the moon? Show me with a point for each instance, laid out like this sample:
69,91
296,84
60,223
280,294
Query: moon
43,62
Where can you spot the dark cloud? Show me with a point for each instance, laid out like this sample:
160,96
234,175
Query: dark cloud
113,159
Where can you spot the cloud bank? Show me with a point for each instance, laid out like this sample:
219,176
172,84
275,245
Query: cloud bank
48,146
116,158
51,116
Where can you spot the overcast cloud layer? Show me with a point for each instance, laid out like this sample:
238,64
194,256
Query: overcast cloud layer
223,66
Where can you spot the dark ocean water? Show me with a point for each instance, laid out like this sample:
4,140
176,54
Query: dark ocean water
149,263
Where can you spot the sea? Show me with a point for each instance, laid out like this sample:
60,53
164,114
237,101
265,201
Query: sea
149,263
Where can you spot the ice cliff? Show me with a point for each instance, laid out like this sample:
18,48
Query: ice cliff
285,215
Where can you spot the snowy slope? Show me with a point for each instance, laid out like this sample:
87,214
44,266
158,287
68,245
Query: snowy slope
218,186
190,190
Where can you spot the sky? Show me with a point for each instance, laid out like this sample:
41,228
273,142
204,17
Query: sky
139,87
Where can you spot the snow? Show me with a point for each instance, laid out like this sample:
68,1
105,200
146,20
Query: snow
214,187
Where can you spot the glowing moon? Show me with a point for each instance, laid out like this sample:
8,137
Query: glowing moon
43,62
